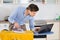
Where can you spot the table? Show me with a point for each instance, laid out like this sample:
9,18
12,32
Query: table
42,35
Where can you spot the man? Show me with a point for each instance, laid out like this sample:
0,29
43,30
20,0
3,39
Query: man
21,14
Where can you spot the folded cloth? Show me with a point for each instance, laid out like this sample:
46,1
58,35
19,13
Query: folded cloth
22,27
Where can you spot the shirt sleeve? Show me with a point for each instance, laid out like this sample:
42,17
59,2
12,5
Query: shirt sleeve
31,24
13,15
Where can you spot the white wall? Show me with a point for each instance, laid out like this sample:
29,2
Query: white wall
47,11
6,10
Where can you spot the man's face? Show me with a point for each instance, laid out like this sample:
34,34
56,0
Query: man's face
32,13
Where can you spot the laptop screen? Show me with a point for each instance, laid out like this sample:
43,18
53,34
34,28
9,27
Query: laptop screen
45,28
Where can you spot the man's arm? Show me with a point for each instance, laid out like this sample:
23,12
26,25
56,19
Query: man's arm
13,15
31,24
12,18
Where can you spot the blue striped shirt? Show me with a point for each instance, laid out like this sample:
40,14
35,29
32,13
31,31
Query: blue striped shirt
19,17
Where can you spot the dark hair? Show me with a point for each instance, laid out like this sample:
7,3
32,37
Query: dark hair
33,7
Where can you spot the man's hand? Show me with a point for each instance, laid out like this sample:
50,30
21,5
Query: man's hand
37,29
16,25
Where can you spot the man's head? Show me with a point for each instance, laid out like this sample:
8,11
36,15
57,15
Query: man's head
32,9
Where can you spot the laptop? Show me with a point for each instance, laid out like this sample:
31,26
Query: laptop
45,28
